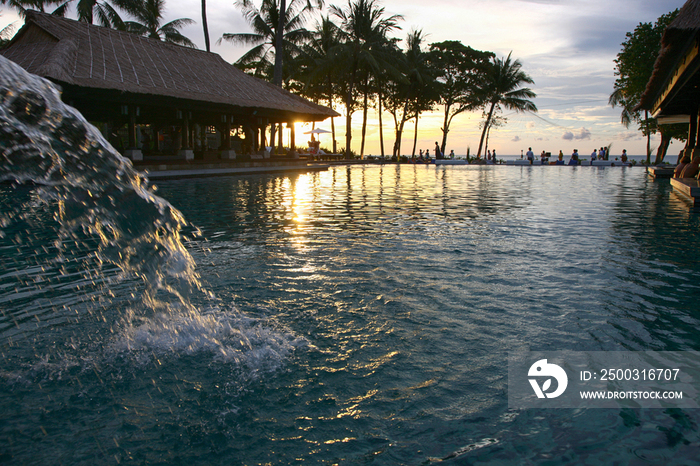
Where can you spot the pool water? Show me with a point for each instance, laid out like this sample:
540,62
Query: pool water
360,315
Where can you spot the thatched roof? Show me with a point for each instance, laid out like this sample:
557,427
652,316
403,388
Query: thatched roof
673,87
93,57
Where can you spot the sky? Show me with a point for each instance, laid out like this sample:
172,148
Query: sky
566,46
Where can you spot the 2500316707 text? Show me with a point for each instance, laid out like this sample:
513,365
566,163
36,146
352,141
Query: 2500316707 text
634,374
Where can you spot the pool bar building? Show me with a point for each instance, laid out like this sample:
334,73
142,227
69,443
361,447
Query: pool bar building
159,96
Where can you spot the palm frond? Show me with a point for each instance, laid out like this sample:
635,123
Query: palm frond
242,38
175,37
61,10
178,23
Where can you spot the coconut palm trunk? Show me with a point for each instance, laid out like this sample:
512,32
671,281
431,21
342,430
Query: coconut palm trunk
365,108
348,116
205,25
486,127
502,86
279,44
330,105
415,137
381,127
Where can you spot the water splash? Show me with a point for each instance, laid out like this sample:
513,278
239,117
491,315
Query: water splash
250,343
135,273
97,190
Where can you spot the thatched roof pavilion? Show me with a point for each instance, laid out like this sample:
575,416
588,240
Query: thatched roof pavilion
673,89
111,75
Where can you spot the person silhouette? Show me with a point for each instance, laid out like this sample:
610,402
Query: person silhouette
530,155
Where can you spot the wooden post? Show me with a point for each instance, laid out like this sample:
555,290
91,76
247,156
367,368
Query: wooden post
186,150
696,136
692,135
686,169
693,166
132,151
227,153
186,131
132,128
292,143
280,144
273,132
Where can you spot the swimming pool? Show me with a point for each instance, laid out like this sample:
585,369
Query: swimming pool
361,315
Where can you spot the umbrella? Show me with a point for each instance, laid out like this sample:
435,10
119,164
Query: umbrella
317,131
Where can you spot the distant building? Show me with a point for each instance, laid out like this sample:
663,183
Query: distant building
181,94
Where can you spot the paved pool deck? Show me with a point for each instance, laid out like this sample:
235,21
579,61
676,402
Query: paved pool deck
177,172
163,168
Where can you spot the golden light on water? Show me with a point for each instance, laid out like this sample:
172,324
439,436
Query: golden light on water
302,198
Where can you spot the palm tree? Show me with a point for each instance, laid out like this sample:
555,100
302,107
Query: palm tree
413,92
318,64
265,23
149,18
103,12
279,42
88,10
423,91
365,31
502,89
21,6
385,81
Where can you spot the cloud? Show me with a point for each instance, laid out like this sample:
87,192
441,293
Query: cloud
630,136
583,133
516,139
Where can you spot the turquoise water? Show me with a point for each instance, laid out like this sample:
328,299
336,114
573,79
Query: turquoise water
361,315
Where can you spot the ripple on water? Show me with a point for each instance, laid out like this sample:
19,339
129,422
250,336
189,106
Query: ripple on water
374,310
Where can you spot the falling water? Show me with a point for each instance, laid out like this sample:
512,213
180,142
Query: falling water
107,253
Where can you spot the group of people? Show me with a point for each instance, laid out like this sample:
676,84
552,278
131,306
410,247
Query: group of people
490,155
438,153
598,154
604,154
